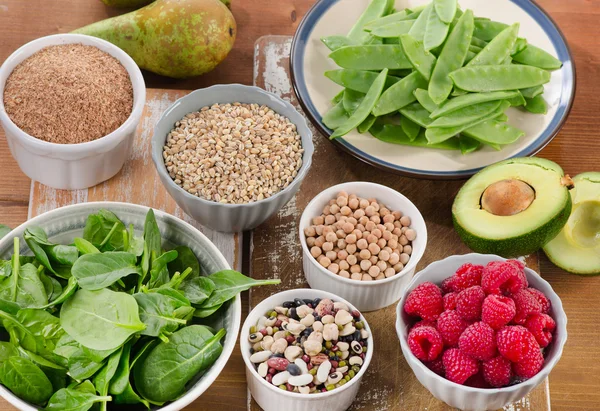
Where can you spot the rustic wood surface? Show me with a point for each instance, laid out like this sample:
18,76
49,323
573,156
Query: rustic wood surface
575,382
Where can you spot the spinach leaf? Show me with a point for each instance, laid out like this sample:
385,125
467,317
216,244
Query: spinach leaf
164,373
5,268
62,254
101,320
229,283
120,386
97,271
84,246
159,274
24,287
152,235
73,399
185,259
128,396
9,306
66,346
97,228
51,285
159,313
198,289
82,366
57,377
25,380
4,229
7,350
86,386
203,312
66,293
135,245
143,352
106,374
120,379
47,252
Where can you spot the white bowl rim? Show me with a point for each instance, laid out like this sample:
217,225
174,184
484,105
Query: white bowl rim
309,148
196,391
414,258
549,365
263,382
135,76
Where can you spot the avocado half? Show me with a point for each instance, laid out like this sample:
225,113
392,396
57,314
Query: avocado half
576,248
514,207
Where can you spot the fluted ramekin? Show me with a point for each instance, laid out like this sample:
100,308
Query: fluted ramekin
461,396
365,295
271,398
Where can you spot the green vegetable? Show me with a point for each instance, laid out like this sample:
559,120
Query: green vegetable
102,379
424,99
376,8
24,287
357,80
163,374
418,29
466,115
97,271
499,78
25,380
229,283
399,95
395,135
536,57
336,116
445,9
422,60
336,42
66,293
159,313
436,31
73,399
377,57
395,29
411,128
497,50
352,100
7,350
197,290
101,320
84,246
470,100
97,228
185,259
536,105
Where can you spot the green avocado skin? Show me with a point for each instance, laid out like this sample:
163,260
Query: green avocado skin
517,246
173,38
140,3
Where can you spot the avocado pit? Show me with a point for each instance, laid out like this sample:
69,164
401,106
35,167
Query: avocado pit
507,197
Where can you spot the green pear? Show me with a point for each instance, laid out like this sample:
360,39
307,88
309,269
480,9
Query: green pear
174,38
140,3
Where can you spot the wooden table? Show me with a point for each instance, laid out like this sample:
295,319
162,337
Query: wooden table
575,382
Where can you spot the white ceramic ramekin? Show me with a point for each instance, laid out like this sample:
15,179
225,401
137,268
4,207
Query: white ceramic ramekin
271,398
468,398
365,295
72,166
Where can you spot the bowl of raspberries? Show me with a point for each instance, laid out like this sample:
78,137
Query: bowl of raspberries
480,331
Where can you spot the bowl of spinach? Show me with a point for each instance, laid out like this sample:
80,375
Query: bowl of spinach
113,305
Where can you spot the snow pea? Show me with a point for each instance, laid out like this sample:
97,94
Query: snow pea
391,133
352,100
417,113
336,42
494,132
365,108
418,29
335,117
439,134
376,9
486,29
400,94
376,57
338,97
536,105
367,124
497,78
436,31
470,56
383,21
451,58
393,29
467,115
410,128
534,56
506,61
532,92
467,144
422,60
456,92
390,40
520,45
475,49
517,101
478,42
358,80
498,49
445,9
426,101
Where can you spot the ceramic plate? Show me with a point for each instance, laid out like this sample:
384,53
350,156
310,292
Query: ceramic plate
309,60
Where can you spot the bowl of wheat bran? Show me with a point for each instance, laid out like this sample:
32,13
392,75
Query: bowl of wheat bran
70,105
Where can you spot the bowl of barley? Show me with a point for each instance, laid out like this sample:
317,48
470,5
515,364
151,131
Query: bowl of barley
362,241
232,155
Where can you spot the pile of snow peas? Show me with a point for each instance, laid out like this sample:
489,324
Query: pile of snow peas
434,76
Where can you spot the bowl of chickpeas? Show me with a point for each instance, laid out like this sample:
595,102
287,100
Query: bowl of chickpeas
362,241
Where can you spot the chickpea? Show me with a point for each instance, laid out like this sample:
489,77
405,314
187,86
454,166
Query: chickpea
389,227
319,229
319,241
370,211
365,265
329,220
332,255
407,249
363,221
340,234
410,234
397,224
359,230
351,196
341,243
344,265
403,240
397,215
397,232
404,258
334,209
353,203
346,211
384,211
331,202
398,267
355,269
331,237
374,271
367,277
351,248
348,228
382,265
352,220
344,274
363,203
365,254
381,276
403,229
381,243
352,260
318,220
394,258
359,213
381,228
376,219
342,254
334,268
310,231
327,209
388,249
371,239
310,241
327,246
405,221
389,272
327,229
315,251
393,244
370,226
374,249
377,233
351,238
342,201
356,276
362,244
384,255
389,218
325,262
342,194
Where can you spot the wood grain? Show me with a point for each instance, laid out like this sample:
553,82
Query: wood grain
575,385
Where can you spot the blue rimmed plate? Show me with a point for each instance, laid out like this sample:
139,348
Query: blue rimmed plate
309,60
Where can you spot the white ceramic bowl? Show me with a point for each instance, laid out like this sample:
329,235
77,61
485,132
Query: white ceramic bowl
64,224
219,216
72,166
271,398
366,295
468,398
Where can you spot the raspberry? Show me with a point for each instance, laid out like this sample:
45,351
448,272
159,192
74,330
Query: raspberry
478,341
468,303
526,305
450,326
515,341
458,365
497,310
477,381
530,365
423,323
437,366
425,301
542,299
448,285
497,371
500,277
450,301
541,326
425,343
467,276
